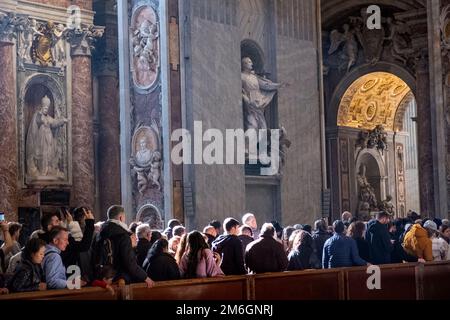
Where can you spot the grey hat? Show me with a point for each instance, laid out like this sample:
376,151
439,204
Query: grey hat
430,224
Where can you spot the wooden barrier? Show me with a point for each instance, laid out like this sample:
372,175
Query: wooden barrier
401,281
226,288
300,285
435,280
398,282
82,294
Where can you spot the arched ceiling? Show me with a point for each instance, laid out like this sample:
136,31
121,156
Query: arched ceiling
333,11
377,98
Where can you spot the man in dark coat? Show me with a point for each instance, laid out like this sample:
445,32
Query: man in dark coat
229,247
266,254
124,257
319,237
377,235
246,236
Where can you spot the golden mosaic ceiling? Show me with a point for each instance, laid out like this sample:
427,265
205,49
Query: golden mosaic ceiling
372,100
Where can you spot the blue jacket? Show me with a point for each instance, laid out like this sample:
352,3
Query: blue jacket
340,251
55,273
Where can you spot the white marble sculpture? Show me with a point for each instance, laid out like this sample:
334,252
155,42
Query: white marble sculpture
257,94
42,153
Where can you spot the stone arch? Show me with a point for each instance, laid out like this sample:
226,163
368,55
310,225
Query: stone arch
150,214
373,100
357,73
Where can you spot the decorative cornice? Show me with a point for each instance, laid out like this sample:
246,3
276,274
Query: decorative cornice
8,27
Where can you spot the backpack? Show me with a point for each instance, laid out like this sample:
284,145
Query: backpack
103,255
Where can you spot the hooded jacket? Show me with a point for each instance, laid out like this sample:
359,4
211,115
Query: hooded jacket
230,248
124,257
380,246
417,243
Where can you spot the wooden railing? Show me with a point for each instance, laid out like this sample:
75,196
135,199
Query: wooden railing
398,281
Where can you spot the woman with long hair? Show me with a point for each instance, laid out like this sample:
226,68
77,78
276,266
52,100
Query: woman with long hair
198,260
159,264
356,231
300,257
181,248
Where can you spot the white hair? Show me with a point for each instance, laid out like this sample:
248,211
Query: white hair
142,229
247,217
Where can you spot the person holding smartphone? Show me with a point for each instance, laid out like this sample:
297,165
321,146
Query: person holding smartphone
8,245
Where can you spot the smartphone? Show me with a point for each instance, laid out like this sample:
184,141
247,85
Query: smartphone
2,216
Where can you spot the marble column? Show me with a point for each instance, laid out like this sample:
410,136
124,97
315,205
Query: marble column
425,152
83,190
8,133
106,70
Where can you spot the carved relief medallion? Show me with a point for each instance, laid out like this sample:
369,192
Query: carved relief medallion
145,50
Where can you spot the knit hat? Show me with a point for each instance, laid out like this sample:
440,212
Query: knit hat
430,224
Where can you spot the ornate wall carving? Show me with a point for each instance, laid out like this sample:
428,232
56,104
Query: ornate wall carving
145,127
400,173
353,43
150,214
145,48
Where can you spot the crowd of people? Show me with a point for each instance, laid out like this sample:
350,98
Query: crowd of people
113,252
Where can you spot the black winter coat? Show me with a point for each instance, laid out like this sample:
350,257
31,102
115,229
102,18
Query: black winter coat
265,255
300,260
162,268
377,235
363,248
124,257
143,246
27,277
230,248
319,239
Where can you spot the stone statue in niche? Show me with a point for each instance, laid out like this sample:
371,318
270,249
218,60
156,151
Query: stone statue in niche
257,94
401,48
144,42
349,54
43,143
146,159
367,198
